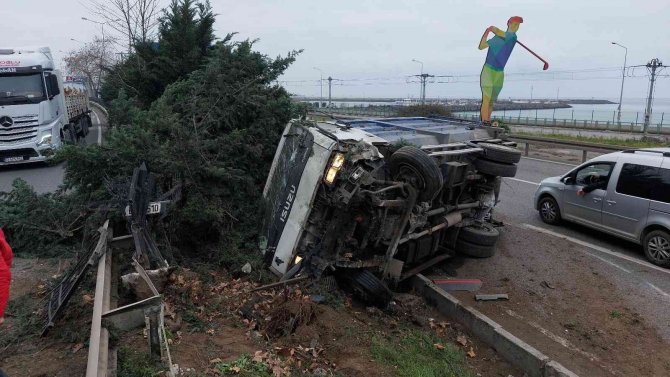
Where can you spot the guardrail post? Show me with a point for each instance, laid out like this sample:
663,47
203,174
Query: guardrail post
584,155
526,149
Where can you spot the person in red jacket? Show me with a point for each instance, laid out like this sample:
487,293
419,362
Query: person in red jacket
5,274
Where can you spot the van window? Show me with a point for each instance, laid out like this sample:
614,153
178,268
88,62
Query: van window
593,173
646,182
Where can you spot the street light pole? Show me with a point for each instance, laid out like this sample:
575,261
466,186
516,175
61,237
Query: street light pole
320,84
623,77
102,53
422,93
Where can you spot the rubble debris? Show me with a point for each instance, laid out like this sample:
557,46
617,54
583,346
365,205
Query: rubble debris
492,297
545,284
137,285
246,268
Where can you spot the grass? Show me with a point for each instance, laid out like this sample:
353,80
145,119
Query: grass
136,363
25,324
633,143
616,314
244,366
414,355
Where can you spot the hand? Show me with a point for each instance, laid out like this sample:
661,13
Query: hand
580,192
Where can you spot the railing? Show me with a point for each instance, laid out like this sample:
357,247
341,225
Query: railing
567,144
658,126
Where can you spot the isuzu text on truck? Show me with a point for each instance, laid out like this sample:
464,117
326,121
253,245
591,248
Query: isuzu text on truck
38,112
376,201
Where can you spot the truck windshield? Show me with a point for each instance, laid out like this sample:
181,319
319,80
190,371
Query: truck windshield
21,88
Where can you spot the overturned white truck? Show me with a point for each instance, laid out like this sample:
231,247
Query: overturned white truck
376,201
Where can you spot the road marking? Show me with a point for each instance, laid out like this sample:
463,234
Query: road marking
597,248
524,181
549,161
99,127
657,289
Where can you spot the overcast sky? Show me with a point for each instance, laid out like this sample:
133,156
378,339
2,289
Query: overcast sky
370,44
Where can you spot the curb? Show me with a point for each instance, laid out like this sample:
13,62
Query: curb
514,350
100,107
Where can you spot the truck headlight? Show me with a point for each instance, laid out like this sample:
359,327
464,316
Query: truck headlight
334,167
46,139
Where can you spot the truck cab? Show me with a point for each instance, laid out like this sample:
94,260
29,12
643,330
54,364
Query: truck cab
34,118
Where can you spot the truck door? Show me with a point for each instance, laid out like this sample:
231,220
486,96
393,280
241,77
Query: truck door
626,205
586,209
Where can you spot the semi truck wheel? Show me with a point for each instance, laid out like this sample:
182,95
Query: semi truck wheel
366,286
480,234
500,153
495,168
414,166
475,250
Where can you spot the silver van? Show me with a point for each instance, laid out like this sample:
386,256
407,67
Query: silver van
626,194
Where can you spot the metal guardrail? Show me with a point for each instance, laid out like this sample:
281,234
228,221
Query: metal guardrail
583,146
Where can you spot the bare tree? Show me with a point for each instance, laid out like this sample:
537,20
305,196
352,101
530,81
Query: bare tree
135,20
91,60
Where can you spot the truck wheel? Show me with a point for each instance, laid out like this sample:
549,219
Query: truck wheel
480,234
657,247
366,286
495,168
85,125
71,134
414,166
500,153
550,213
474,250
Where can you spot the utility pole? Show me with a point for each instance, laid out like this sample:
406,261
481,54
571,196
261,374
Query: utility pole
623,77
321,85
422,90
424,78
330,83
652,66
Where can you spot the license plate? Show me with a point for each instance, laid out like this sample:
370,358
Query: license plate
152,209
13,159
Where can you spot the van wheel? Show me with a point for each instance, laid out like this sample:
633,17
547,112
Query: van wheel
657,247
414,166
549,211
366,286
500,153
480,234
474,250
494,168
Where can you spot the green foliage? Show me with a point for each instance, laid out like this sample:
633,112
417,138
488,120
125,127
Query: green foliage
185,37
634,143
43,225
136,363
423,110
244,366
24,324
415,355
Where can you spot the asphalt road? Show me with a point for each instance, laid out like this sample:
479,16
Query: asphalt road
644,286
41,176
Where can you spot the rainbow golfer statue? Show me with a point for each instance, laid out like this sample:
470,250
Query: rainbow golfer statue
493,75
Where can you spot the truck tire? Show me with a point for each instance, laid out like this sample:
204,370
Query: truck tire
495,168
657,247
365,286
480,234
500,153
414,166
473,250
70,134
85,125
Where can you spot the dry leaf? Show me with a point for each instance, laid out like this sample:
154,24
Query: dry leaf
439,346
88,299
210,331
77,347
461,340
471,353
215,361
236,369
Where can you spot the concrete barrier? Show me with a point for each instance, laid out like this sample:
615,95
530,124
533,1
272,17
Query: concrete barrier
517,352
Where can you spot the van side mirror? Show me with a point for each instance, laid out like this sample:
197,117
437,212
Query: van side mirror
567,180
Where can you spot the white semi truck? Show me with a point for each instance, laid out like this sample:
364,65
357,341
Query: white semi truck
38,111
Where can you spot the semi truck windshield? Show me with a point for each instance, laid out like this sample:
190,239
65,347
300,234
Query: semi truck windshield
19,88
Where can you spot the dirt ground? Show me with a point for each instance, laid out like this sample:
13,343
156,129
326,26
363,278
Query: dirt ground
207,323
560,304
